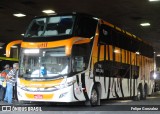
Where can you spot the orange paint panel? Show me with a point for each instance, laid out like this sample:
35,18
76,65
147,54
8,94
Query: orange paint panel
102,53
126,53
123,56
129,57
95,47
133,58
67,43
109,24
111,52
82,41
117,54
106,52
41,96
41,84
138,60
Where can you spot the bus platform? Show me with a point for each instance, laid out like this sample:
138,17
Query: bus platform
15,102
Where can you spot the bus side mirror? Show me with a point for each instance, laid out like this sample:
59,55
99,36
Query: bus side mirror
8,47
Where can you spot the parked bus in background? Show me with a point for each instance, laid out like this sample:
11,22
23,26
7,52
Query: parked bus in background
78,57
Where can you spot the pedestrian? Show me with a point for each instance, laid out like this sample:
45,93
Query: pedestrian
11,80
3,81
7,68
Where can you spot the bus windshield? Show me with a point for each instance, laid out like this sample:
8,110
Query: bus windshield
50,26
44,63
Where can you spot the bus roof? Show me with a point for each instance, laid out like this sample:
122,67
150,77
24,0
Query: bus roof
127,33
65,14
91,16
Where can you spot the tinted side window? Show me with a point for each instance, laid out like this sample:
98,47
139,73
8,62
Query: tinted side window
105,34
80,56
86,27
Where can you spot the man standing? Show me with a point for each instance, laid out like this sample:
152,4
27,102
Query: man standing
3,75
11,80
7,68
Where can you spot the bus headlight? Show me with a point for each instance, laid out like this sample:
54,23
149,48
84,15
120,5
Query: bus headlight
21,87
154,75
66,84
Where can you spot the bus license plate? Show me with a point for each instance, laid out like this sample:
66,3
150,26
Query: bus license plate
38,96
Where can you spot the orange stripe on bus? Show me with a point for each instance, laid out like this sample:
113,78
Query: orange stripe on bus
41,84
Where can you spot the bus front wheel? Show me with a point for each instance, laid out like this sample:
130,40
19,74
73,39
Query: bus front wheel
94,100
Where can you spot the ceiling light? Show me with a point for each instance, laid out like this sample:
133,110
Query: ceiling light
31,51
145,24
1,47
48,11
158,55
19,15
153,0
22,34
14,46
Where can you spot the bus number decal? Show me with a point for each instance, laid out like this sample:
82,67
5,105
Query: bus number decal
43,45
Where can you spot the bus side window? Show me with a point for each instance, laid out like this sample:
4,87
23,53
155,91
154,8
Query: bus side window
80,51
86,27
105,35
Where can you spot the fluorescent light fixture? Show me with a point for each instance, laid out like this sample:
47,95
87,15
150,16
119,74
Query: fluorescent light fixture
145,24
31,51
14,46
153,0
48,11
1,47
95,18
19,15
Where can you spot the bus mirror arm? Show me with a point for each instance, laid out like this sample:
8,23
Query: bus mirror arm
8,47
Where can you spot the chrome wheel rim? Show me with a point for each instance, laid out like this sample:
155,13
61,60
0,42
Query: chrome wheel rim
94,96
138,94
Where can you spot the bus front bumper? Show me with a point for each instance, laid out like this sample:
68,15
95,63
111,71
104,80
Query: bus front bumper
61,95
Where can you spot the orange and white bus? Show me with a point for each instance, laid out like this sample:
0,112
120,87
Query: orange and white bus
78,57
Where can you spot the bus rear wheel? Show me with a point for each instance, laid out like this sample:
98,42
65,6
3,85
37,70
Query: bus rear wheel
145,92
138,97
139,94
94,100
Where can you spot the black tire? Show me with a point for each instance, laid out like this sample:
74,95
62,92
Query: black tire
138,96
145,92
142,92
140,88
94,100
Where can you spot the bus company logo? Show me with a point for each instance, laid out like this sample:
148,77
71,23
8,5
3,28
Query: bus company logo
6,108
42,45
